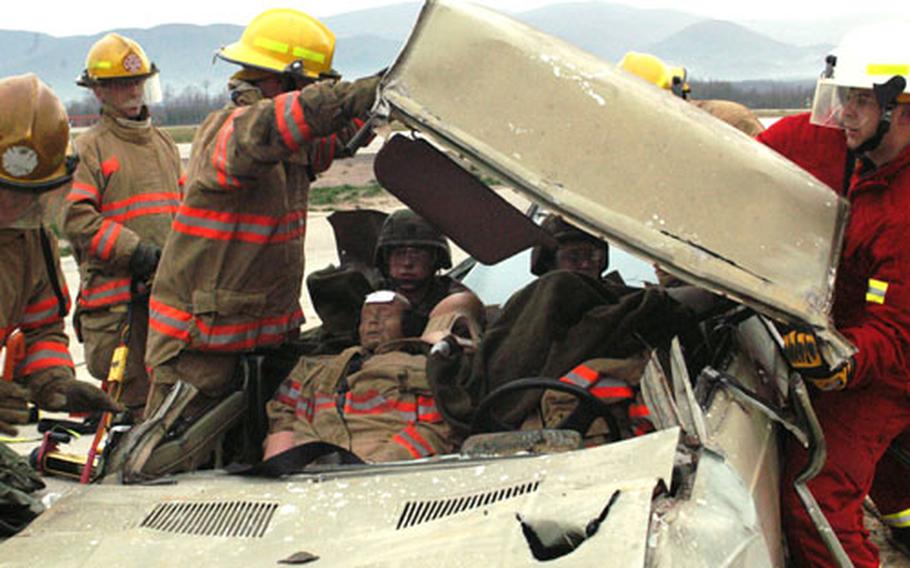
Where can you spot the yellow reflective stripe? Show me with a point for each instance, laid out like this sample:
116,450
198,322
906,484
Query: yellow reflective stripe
900,519
887,69
102,65
271,44
309,54
876,292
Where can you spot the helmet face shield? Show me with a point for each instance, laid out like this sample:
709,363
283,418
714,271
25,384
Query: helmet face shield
828,104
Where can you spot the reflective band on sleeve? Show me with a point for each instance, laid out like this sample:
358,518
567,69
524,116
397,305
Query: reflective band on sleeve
219,155
581,376
898,520
290,120
427,410
876,291
43,355
82,191
103,242
43,312
888,69
413,442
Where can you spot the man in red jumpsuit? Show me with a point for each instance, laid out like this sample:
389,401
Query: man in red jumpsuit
863,404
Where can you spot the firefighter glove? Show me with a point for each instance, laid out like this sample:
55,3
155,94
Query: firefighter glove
76,396
360,96
145,260
802,350
13,407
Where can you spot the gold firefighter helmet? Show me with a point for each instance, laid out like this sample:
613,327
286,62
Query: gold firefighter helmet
283,40
34,135
115,57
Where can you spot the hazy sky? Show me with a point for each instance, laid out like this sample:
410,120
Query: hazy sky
76,17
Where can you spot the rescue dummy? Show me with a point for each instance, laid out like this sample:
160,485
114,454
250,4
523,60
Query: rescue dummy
126,190
34,137
373,399
860,403
230,276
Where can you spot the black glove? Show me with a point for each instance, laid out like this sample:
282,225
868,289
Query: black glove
360,96
801,349
13,407
76,396
145,260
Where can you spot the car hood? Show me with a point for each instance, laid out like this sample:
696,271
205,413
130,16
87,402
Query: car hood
621,158
430,513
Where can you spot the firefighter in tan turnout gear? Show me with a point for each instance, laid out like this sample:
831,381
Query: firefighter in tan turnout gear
373,399
34,135
230,276
125,194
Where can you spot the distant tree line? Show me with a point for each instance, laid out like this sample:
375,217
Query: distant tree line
758,94
190,106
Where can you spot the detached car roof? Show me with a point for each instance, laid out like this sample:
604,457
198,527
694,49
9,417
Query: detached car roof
621,158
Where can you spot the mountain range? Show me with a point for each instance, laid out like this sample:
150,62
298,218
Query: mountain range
369,40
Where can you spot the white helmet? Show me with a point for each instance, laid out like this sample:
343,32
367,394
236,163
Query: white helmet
866,56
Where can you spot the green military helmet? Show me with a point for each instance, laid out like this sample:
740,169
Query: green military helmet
543,258
408,229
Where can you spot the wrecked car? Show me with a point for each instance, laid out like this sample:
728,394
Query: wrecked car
642,169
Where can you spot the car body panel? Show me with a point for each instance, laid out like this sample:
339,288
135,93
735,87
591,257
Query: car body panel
360,517
622,159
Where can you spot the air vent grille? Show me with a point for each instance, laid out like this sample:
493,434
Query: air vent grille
419,512
240,519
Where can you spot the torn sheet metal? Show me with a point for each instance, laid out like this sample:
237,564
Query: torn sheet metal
623,159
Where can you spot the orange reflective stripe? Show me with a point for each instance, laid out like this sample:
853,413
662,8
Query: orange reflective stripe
83,191
427,410
581,376
289,118
110,166
219,156
223,226
43,355
169,321
43,312
411,440
109,293
137,206
104,240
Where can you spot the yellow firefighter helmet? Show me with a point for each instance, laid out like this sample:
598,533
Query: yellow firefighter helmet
115,57
34,135
283,40
653,70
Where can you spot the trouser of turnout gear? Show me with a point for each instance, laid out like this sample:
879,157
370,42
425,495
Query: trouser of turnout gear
859,425
891,492
212,374
102,333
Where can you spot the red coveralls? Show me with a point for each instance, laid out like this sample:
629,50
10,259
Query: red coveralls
861,421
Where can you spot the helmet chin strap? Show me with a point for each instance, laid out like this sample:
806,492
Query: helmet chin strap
886,96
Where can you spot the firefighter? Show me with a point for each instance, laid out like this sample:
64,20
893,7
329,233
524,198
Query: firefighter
34,136
230,275
372,399
409,253
823,153
675,79
862,403
576,250
125,194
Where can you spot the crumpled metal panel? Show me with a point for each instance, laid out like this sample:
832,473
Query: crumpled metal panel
623,159
353,517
